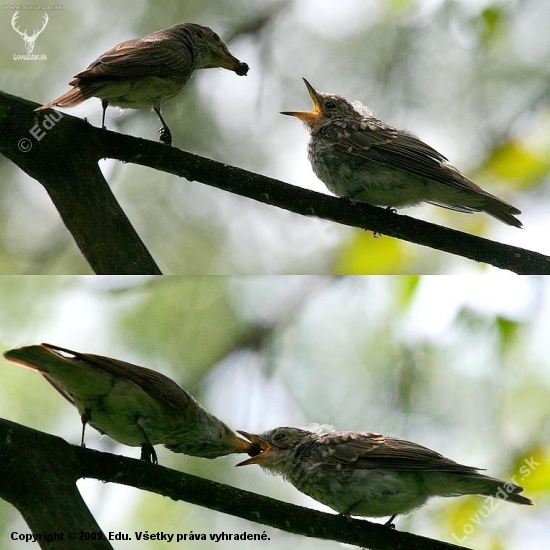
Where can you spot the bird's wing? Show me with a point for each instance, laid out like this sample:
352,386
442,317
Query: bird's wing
154,383
368,450
376,141
139,58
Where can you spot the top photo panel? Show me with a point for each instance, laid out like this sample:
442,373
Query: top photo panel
274,137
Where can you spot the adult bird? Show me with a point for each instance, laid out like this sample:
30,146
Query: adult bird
133,405
146,72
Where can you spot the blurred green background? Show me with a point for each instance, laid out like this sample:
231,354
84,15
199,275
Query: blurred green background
471,78
458,364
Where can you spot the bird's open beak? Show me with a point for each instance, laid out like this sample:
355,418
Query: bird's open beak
309,115
256,444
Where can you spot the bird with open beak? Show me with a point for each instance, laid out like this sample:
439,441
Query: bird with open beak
362,158
133,405
369,474
145,72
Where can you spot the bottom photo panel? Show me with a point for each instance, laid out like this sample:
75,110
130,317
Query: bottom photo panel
275,412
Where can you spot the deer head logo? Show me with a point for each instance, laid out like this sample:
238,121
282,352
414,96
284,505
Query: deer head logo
29,40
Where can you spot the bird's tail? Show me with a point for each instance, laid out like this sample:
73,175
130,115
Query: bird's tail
503,490
473,483
65,374
501,210
40,359
32,357
474,199
81,91
69,99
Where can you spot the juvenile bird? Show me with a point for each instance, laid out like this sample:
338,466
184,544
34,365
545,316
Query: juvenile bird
148,71
368,474
133,405
362,158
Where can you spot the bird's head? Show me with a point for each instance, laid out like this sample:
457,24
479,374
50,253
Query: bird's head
206,436
326,108
276,448
212,52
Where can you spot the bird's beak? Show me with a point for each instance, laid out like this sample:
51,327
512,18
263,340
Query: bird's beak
243,446
260,446
312,115
233,64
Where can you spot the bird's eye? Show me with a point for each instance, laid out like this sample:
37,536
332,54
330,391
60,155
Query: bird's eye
330,105
279,437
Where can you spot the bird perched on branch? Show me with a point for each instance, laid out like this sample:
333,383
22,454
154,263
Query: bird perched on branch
133,405
148,71
368,474
362,158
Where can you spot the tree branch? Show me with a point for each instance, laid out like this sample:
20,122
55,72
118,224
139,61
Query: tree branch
102,143
65,162
39,478
25,452
310,203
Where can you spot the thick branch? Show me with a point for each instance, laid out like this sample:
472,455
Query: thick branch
64,160
39,477
17,441
310,203
101,143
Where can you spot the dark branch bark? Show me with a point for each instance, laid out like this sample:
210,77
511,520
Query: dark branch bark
310,203
26,452
102,143
39,478
64,161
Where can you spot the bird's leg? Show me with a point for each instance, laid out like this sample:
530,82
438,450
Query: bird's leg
390,522
347,512
351,196
84,417
387,209
165,136
148,452
104,104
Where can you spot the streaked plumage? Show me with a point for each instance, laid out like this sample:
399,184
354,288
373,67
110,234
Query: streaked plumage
360,157
369,474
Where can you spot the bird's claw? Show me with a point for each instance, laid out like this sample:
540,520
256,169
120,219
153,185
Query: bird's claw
390,522
148,453
165,136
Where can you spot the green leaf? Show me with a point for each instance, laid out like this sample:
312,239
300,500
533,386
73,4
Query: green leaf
366,254
514,162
